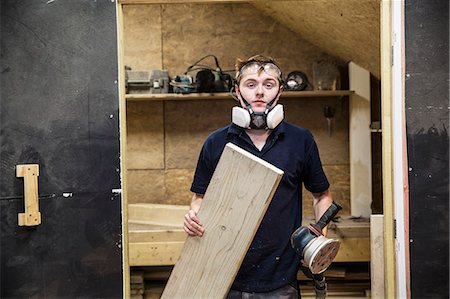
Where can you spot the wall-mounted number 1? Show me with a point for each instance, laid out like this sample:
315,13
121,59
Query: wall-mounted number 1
30,173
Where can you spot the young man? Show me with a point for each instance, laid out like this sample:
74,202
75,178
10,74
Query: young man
269,269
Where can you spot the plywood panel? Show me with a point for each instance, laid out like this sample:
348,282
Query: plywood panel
162,187
187,126
360,141
145,135
339,178
170,216
223,30
178,184
308,113
377,253
146,186
231,213
142,36
154,254
348,29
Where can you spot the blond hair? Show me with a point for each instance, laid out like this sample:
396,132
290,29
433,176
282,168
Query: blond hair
256,58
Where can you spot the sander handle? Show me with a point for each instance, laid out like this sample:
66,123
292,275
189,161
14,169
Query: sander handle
329,214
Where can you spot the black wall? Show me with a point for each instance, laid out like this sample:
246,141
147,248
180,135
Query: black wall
59,109
427,113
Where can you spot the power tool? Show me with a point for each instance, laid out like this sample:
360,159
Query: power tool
316,250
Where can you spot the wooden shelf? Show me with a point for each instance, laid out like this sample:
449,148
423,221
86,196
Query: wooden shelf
226,95
179,1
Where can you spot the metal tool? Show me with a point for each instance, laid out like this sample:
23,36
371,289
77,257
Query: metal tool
154,81
317,251
328,112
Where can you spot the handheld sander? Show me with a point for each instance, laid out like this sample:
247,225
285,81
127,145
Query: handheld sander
316,250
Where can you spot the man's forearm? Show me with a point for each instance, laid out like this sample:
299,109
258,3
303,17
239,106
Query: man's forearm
322,201
196,202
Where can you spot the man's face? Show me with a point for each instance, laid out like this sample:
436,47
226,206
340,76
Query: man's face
258,89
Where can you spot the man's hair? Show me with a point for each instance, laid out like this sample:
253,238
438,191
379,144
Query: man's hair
256,58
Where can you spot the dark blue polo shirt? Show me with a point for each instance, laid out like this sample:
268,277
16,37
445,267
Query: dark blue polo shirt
270,262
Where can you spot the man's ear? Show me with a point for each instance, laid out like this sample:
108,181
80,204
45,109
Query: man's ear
279,92
238,95
238,91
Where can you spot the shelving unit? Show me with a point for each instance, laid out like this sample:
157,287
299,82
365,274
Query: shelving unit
227,96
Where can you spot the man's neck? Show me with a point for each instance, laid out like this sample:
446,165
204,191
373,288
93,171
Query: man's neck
258,137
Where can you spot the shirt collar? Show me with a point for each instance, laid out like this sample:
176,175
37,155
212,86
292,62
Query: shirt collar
235,129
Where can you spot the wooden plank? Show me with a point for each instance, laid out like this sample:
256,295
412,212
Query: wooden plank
153,246
182,1
360,142
30,173
346,227
123,151
354,250
235,202
157,214
390,278
141,236
154,254
377,261
163,252
226,95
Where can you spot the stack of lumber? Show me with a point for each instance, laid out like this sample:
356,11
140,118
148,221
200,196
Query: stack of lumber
137,286
156,235
345,280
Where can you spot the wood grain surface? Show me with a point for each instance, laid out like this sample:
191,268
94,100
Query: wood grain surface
234,203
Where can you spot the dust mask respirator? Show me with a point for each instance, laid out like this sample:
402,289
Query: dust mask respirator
249,119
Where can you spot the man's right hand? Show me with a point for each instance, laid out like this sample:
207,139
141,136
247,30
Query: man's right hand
192,224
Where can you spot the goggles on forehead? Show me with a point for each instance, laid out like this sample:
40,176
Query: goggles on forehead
257,67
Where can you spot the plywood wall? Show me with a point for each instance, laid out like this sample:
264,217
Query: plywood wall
164,138
348,29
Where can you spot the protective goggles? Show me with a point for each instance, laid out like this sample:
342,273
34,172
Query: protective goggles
257,67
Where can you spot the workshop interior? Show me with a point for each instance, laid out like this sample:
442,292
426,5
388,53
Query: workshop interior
105,106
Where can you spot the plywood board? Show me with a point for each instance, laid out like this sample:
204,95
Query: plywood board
339,178
377,253
178,184
146,186
145,135
211,32
308,113
142,37
157,214
360,142
355,22
231,213
154,254
187,124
